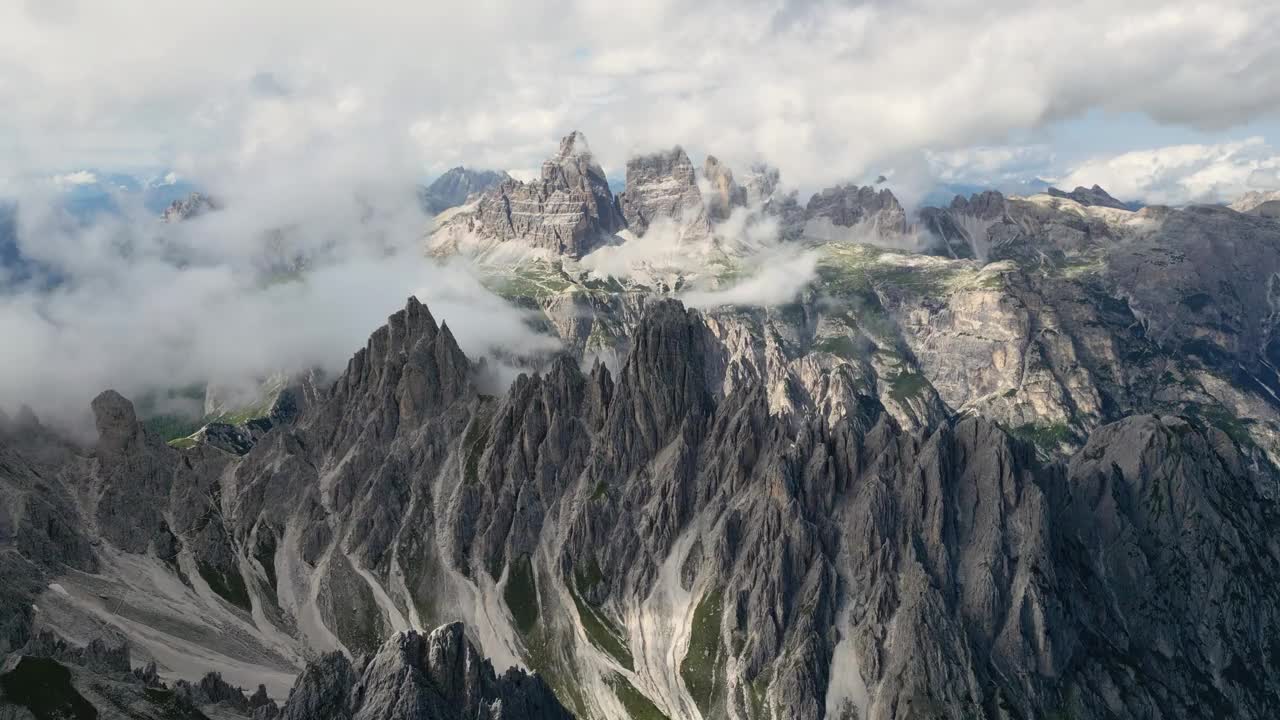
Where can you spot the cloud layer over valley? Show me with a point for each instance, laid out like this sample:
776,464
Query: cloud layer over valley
228,297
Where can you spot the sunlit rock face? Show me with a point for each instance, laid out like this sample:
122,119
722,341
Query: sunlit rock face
568,211
663,185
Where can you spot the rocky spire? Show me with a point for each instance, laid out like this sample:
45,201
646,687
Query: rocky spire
725,194
568,210
118,428
663,184
409,367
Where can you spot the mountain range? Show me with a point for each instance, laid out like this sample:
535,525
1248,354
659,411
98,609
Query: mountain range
1012,457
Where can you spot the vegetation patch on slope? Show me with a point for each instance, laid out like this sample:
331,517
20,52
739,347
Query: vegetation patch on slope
43,687
842,346
473,447
535,281
521,594
601,632
229,585
1223,419
701,666
1048,438
907,385
638,706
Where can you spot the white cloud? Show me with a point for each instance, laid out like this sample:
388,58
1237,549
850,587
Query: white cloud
826,90
1181,174
79,177
777,279
990,164
311,253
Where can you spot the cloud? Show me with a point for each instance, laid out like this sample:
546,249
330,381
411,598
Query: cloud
295,272
79,177
745,246
990,165
1180,174
826,90
776,279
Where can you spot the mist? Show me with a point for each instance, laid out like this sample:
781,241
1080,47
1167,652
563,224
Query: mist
289,276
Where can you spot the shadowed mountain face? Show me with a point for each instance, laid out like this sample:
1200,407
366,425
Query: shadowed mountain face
652,541
455,186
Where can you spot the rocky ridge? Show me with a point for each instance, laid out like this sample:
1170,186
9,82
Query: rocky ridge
571,211
413,676
1253,199
1089,196
456,186
661,540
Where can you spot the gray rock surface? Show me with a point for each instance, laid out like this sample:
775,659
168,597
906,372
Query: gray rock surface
1268,209
194,205
725,194
1090,196
663,185
852,206
456,186
415,676
569,210
945,570
1253,199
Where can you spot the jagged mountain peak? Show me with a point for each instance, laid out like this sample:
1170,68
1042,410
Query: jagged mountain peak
1090,196
574,145
569,210
457,186
663,185
192,206
116,421
833,212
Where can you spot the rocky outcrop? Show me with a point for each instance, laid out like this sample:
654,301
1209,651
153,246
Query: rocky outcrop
988,226
456,186
725,194
194,205
843,208
1253,199
1268,209
53,678
414,676
1090,196
569,210
663,185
